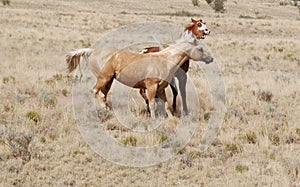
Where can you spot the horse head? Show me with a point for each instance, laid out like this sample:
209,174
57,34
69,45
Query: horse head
199,54
198,28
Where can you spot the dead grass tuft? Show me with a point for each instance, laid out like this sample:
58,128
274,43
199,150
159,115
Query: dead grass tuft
104,115
163,138
241,168
194,154
9,80
18,143
251,137
34,116
48,100
233,149
263,95
275,139
130,140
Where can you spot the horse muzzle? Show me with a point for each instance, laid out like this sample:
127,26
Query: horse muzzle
208,60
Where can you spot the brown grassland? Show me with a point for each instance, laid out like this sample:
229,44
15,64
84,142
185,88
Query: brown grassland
256,44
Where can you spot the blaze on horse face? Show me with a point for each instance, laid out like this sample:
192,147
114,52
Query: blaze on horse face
199,28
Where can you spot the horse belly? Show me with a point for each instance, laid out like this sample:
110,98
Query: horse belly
131,81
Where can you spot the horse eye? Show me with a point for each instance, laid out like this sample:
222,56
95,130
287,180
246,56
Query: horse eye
199,24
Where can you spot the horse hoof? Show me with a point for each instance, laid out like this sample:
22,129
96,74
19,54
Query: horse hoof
186,113
94,91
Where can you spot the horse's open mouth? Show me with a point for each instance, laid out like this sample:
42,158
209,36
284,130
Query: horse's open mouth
204,34
202,37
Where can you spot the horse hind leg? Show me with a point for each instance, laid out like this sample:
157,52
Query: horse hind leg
151,92
102,88
143,94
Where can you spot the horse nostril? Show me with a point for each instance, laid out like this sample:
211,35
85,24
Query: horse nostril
209,60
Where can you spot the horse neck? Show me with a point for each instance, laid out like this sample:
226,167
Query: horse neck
179,53
181,50
187,37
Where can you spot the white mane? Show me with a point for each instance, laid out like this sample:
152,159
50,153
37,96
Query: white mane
187,36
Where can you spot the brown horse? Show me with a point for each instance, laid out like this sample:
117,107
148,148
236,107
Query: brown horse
151,71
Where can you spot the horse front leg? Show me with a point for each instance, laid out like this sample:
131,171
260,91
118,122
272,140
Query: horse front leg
175,93
162,95
182,87
151,91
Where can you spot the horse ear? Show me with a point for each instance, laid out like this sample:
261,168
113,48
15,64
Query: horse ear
194,21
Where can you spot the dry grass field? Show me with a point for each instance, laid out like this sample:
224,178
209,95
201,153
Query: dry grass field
257,47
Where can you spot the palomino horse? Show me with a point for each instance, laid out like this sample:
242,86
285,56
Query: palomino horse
197,27
151,71
180,74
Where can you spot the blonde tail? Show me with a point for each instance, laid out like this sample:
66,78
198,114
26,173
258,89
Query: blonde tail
73,58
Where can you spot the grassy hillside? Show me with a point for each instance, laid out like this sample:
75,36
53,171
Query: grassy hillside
256,44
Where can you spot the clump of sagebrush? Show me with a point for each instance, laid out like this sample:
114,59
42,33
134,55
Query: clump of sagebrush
42,139
275,139
206,116
232,148
130,140
65,92
48,100
34,116
251,137
9,79
163,138
194,154
272,156
78,152
53,136
241,168
219,6
85,44
263,95
58,78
